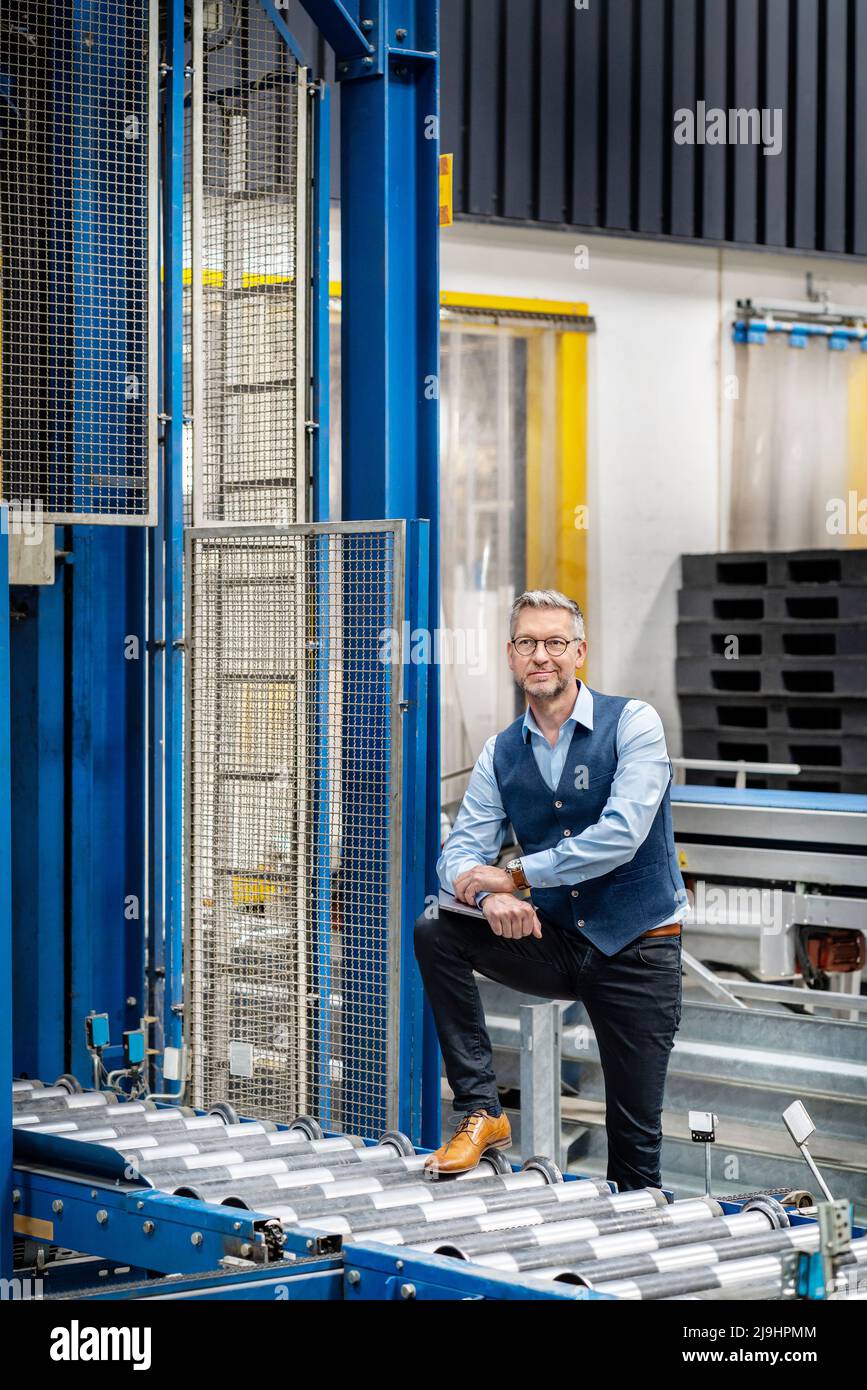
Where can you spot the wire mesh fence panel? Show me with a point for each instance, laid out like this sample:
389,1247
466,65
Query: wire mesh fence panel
78,245
248,269
292,957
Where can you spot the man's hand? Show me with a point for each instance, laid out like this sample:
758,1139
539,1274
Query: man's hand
511,917
481,879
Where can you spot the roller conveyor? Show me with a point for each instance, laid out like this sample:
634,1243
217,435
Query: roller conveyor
258,1192
152,1128
535,1252
284,1153
574,1228
598,1272
761,1273
386,1217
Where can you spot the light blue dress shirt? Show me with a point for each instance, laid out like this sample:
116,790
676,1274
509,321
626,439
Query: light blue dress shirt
637,788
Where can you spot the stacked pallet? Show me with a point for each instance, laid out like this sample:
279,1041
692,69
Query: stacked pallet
772,665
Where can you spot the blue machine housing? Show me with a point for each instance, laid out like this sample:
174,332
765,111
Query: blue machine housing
105,779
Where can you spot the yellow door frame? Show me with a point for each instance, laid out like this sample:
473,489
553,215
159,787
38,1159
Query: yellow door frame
566,568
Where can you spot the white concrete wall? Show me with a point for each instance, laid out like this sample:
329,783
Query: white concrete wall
660,425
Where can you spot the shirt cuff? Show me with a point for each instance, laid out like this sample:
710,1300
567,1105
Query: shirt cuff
450,872
539,870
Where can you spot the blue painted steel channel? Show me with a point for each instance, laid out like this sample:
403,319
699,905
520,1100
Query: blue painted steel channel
172,516
322,833
385,1272
390,378
320,111
39,727
5,916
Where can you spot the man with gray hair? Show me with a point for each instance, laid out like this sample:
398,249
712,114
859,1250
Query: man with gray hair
584,780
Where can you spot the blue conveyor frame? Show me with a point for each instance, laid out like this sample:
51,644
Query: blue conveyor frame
68,1193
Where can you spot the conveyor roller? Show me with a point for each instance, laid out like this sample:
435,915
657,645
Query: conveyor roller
530,1224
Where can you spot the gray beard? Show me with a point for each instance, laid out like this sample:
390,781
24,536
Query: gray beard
545,694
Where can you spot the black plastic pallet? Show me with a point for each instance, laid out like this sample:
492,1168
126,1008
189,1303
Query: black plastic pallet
826,714
775,569
816,751
842,676
845,783
701,638
808,603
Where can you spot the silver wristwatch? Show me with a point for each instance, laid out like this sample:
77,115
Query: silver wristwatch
515,870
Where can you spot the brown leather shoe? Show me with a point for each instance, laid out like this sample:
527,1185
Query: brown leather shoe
476,1132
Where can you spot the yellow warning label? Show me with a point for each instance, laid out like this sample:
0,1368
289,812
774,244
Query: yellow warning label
446,189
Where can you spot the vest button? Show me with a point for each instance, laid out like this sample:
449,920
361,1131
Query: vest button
574,892
558,805
567,832
580,921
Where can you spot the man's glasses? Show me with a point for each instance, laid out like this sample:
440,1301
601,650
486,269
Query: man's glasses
554,646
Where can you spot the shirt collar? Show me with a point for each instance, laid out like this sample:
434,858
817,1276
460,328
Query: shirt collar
582,713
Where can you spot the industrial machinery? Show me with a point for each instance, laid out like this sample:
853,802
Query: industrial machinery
219,757
176,1192
778,881
209,707
772,1008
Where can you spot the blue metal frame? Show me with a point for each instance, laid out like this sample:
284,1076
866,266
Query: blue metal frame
383,1272
98,1218
416,684
5,915
390,372
76,701
339,25
320,408
38,723
322,832
282,29
155,1231
307,1281
167,639
321,325
391,294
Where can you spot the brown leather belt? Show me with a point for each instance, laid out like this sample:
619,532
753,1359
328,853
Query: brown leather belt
670,929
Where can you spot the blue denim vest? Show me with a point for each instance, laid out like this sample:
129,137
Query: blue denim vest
614,908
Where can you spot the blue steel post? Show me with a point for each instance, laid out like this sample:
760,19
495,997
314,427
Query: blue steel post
321,326
322,881
173,519
5,916
320,110
156,681
155,875
416,680
390,354
38,730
